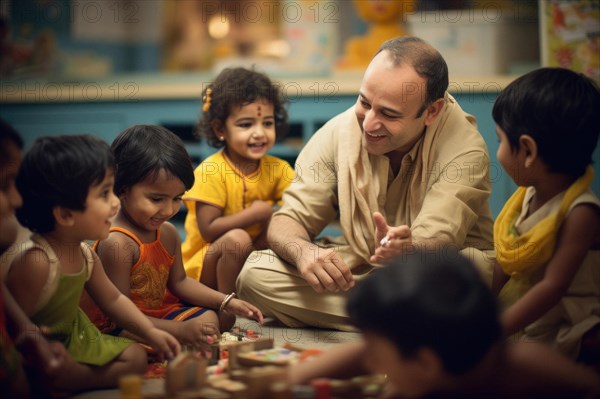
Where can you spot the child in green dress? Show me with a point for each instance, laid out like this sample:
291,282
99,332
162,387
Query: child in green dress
67,187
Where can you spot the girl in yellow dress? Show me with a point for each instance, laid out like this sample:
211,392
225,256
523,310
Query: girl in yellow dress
231,202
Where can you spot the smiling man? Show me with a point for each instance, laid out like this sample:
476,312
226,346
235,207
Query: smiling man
405,168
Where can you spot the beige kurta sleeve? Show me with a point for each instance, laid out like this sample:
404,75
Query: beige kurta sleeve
311,199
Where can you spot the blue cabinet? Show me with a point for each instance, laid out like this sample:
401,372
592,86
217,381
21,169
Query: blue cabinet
307,113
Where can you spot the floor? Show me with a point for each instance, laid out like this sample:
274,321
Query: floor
303,337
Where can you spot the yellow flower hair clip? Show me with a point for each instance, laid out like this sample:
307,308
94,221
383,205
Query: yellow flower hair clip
207,100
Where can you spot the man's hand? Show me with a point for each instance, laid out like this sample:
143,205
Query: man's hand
390,241
327,272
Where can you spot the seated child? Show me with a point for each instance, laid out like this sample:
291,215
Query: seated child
431,325
67,187
231,203
142,254
547,235
29,349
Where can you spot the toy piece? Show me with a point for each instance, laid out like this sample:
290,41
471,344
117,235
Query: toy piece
235,389
186,372
260,379
271,356
235,349
131,386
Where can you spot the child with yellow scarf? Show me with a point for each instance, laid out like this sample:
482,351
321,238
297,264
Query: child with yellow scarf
547,236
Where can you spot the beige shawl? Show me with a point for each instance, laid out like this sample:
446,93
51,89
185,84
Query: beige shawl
363,179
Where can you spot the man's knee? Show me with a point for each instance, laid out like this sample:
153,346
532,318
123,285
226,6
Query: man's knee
249,276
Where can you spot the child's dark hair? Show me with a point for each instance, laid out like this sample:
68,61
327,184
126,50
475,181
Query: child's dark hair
142,151
8,134
434,300
59,171
558,108
236,87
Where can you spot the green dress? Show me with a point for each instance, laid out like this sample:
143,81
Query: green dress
59,310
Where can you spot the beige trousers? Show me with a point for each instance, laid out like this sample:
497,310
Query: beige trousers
279,291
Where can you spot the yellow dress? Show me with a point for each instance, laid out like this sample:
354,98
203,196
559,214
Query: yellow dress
220,183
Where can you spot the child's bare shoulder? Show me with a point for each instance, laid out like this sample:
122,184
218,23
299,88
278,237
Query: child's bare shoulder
169,236
118,245
31,268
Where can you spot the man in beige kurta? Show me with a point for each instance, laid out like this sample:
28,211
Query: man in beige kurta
406,164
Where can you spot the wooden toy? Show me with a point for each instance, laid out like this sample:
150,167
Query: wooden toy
236,348
260,379
186,372
130,386
271,356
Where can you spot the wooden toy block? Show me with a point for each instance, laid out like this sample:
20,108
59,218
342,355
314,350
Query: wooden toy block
236,348
186,372
259,380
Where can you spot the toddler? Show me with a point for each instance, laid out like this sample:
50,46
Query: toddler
231,203
67,187
547,234
430,324
142,254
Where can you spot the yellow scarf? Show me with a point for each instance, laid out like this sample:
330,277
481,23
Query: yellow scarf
523,254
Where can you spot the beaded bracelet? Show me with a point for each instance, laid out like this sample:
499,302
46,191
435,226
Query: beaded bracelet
227,299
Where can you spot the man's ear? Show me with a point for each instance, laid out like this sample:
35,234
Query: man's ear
433,110
63,216
529,146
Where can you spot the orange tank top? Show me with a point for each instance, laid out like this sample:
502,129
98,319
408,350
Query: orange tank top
147,283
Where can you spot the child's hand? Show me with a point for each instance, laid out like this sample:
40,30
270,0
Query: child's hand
261,211
198,333
244,309
165,345
47,357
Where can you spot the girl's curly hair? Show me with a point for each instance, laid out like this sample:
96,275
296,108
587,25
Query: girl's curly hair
236,87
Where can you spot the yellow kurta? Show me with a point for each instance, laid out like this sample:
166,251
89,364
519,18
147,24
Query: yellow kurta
220,183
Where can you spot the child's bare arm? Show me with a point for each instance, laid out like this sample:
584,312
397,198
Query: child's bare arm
194,292
120,308
26,278
212,224
575,238
342,361
29,339
118,253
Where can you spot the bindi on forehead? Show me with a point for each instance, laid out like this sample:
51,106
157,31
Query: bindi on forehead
259,110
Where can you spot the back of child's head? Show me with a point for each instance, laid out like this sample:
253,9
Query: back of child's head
142,151
433,300
558,108
59,171
235,87
8,134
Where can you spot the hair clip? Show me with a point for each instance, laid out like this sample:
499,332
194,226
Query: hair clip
207,99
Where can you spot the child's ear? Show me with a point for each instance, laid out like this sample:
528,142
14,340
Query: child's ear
217,127
431,366
63,216
528,144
